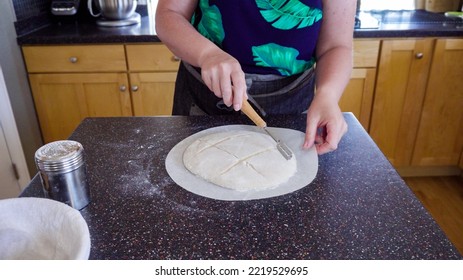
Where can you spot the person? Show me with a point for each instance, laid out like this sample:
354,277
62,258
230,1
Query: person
285,56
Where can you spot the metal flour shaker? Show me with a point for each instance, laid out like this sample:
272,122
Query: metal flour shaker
63,173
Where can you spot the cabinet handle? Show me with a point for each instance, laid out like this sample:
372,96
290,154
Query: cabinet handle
73,59
175,58
122,88
419,55
134,88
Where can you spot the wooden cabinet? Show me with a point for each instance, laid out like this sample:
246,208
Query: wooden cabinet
70,83
440,134
67,59
152,93
417,117
399,93
153,70
358,95
62,101
151,58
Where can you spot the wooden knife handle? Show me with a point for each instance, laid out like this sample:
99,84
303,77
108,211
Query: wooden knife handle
247,109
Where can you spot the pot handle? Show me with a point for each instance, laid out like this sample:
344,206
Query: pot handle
90,8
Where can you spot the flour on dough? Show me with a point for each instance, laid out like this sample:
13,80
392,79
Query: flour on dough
239,160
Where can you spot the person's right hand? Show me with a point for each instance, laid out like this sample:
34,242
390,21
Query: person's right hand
223,75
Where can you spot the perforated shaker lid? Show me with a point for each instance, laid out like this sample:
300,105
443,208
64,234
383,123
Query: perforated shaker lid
63,156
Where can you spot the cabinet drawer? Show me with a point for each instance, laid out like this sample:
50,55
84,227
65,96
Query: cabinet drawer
98,58
366,53
153,57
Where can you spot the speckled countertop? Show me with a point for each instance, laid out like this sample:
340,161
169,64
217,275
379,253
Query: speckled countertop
357,207
400,24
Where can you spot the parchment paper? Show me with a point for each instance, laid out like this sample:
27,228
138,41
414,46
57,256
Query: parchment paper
307,166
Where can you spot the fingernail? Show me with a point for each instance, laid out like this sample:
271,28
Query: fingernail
237,107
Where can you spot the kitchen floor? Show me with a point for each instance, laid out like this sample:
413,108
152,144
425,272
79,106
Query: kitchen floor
443,198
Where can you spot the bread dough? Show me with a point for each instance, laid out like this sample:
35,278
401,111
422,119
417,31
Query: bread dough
239,160
307,166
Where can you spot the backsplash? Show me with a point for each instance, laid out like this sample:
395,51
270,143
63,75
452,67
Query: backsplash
31,15
25,9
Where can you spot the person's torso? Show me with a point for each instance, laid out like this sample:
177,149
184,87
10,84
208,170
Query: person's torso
266,36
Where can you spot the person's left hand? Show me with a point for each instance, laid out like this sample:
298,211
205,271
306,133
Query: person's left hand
325,125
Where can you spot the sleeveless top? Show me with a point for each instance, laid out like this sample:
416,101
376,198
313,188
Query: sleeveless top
265,36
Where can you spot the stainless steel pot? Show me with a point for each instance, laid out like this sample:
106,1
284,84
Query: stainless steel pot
113,9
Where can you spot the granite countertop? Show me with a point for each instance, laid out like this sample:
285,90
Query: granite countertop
417,23
357,207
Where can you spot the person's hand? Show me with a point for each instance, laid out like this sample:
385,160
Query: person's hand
325,125
223,75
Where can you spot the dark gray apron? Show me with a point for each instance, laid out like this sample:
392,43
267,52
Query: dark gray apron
269,94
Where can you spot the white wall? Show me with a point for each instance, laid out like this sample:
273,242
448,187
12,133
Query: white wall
11,149
17,84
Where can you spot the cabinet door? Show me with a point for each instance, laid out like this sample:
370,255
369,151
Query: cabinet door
358,95
67,59
400,88
152,93
151,57
440,135
64,100
366,53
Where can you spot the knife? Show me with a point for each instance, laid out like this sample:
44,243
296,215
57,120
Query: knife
247,109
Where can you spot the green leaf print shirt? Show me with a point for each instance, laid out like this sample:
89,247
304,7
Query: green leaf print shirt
266,36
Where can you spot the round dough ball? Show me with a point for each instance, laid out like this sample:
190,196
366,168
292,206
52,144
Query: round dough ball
239,160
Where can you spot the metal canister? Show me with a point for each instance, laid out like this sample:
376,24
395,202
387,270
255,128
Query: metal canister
63,173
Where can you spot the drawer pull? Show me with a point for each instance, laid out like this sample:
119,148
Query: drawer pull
122,88
134,88
73,59
419,55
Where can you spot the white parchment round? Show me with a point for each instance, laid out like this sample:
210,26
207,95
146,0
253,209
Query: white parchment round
307,166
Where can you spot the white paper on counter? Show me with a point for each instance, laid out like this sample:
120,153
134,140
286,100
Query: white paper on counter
307,166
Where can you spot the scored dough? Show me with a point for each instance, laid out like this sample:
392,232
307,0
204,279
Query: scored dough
239,160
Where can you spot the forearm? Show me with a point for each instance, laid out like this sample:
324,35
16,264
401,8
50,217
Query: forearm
334,49
219,70
333,72
182,38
